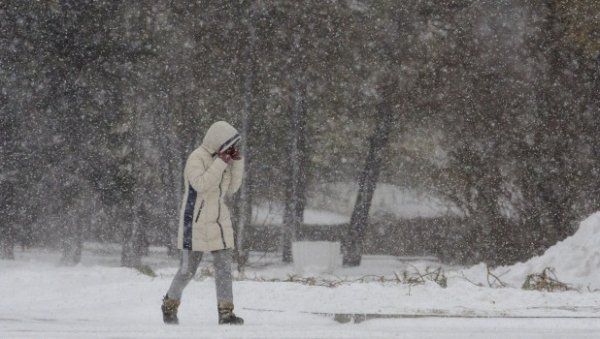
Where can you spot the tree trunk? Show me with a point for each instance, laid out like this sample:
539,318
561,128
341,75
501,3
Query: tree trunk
170,173
7,242
295,199
72,242
8,184
134,233
244,199
366,187
133,243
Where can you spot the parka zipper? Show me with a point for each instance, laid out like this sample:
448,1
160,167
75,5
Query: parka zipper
219,212
199,211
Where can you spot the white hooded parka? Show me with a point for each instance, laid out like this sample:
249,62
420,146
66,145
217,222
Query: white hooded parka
205,221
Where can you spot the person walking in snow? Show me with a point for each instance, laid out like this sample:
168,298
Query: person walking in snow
212,172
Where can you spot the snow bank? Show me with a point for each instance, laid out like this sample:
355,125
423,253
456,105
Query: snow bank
576,260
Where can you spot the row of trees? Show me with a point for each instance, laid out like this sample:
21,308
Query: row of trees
491,105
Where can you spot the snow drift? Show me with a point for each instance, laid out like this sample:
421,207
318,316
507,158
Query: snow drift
576,260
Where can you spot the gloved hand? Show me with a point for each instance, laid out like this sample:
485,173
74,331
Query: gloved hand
225,156
235,154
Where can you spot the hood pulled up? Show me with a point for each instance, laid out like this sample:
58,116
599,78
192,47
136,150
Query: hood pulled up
219,137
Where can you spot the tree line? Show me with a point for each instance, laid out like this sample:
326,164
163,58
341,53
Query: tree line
492,106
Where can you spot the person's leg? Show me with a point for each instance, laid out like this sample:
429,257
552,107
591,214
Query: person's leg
222,263
188,265
223,283
187,268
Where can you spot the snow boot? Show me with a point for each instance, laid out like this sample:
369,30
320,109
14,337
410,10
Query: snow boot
226,315
169,310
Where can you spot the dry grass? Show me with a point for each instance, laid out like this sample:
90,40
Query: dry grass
412,278
545,281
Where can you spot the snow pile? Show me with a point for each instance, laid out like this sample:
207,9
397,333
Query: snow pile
576,260
314,257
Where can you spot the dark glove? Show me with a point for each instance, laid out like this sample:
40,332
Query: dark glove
225,156
235,154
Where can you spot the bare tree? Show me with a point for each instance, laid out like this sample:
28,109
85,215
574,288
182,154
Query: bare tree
369,176
295,192
8,183
244,198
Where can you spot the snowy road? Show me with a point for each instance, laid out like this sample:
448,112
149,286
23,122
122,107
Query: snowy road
97,300
289,326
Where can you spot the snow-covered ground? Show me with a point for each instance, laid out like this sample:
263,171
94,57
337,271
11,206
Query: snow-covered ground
98,299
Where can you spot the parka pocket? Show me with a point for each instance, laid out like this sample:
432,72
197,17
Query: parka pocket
199,211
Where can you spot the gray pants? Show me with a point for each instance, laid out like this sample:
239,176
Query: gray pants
190,260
